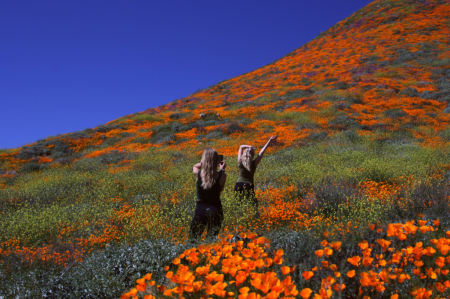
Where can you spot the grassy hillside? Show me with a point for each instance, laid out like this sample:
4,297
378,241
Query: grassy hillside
361,113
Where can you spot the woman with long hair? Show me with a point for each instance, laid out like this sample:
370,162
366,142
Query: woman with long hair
210,183
245,187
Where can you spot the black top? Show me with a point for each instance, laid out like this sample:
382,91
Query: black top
210,196
245,175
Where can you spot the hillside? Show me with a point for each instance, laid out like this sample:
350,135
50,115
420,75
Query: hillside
361,113
385,68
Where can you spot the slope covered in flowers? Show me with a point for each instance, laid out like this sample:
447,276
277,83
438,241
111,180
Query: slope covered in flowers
361,113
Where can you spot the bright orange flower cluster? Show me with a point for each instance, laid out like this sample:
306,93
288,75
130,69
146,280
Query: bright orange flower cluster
396,264
402,260
242,269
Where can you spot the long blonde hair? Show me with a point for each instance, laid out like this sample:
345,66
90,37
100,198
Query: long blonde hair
247,158
209,166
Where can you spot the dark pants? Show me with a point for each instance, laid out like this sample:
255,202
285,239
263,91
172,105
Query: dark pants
246,192
206,216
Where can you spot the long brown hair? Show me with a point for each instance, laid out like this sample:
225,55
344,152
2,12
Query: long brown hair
209,166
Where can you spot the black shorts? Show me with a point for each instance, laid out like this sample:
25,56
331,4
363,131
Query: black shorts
206,216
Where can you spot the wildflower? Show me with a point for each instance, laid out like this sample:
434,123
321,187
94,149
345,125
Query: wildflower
319,253
148,276
285,270
290,290
305,293
363,245
354,260
440,262
403,277
440,287
431,273
339,287
383,243
422,293
336,245
307,274
351,273
323,294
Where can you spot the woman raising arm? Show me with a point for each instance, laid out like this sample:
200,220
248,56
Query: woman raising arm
247,167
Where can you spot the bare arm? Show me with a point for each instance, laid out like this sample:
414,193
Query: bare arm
261,152
197,167
241,148
223,180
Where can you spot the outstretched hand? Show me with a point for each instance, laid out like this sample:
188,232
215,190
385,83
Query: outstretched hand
273,138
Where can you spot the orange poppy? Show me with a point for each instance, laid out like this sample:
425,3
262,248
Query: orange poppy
319,253
363,245
285,270
305,293
440,262
336,245
307,274
354,260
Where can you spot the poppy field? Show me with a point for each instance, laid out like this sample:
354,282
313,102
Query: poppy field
353,195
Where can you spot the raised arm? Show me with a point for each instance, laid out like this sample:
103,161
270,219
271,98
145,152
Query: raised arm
241,148
197,167
223,178
261,153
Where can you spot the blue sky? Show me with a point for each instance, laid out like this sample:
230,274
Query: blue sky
70,65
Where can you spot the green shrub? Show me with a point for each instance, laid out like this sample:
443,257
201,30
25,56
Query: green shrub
104,274
329,195
317,136
167,138
297,245
442,62
146,117
342,85
179,115
141,140
344,122
163,128
296,94
349,135
110,142
219,134
27,153
235,128
428,196
109,127
445,134
410,91
127,134
404,55
395,113
181,140
30,167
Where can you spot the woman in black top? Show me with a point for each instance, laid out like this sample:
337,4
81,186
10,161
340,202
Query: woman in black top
210,183
247,166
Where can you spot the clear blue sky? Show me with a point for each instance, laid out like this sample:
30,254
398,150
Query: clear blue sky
70,65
